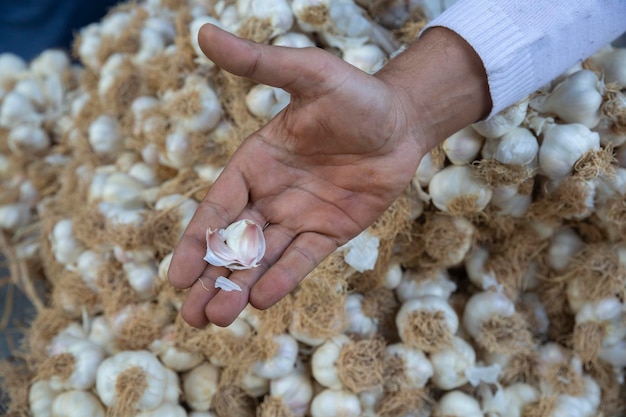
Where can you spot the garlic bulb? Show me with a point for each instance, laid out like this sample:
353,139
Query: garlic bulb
368,58
415,368
77,404
16,109
331,402
265,101
458,404
503,122
194,29
509,201
481,307
136,375
240,246
200,385
427,323
101,334
324,362
103,135
562,146
164,410
142,277
172,356
421,283
295,389
509,401
451,363
576,99
86,357
65,247
283,360
612,62
29,139
463,146
14,216
456,190
11,65
40,393
427,168
277,12
358,322
517,147
361,252
564,245
293,40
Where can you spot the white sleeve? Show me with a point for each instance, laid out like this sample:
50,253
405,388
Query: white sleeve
526,44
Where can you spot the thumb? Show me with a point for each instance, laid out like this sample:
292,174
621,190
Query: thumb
303,71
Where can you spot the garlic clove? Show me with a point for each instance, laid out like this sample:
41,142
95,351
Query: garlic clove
240,246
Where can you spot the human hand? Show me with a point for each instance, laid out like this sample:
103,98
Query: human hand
319,173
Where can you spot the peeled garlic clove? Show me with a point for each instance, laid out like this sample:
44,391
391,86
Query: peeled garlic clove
240,246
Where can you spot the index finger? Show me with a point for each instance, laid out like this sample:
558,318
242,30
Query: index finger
226,198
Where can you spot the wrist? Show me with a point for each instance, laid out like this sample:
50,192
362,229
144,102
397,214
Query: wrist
443,84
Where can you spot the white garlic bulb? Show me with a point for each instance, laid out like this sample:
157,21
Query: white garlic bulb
331,402
416,367
283,360
451,363
265,101
77,404
133,366
87,357
200,385
481,307
456,189
463,147
324,362
503,122
576,99
104,137
458,404
562,146
295,389
517,147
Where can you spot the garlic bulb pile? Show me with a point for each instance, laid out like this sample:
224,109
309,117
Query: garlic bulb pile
494,285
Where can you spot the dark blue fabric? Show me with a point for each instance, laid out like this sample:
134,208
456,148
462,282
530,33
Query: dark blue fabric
28,27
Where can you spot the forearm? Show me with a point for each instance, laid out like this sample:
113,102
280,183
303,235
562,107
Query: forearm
445,83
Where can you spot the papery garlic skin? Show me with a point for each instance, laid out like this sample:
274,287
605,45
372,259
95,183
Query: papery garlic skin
416,283
240,246
173,357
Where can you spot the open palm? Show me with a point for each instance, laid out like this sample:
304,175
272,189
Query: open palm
317,174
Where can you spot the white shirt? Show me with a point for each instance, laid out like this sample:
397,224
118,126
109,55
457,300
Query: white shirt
525,44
